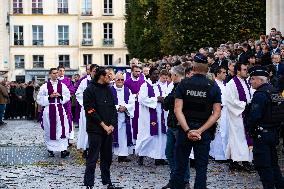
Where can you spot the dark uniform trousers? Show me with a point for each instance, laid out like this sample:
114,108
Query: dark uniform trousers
266,159
201,155
99,144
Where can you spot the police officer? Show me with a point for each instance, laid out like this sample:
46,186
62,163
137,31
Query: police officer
264,130
196,98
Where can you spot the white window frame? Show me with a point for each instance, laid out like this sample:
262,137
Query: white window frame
64,33
38,61
38,34
108,59
85,30
108,31
19,60
65,62
20,35
108,7
89,58
87,7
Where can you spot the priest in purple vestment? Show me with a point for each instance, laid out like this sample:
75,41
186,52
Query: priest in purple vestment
134,83
67,106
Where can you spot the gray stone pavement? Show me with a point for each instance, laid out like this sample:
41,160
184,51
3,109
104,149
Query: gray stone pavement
24,164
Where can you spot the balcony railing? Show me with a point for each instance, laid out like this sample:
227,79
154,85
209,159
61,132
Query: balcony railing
108,11
37,10
38,64
18,42
17,10
108,42
87,13
62,10
63,42
38,42
87,42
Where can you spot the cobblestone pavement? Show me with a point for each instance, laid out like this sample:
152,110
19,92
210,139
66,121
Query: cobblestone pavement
24,164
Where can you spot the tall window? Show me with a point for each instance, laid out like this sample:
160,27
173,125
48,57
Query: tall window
37,35
87,34
108,59
18,35
63,35
62,6
37,7
64,60
108,40
87,59
38,61
107,6
18,6
86,7
19,61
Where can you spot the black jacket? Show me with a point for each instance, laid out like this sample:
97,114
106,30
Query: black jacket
169,105
99,106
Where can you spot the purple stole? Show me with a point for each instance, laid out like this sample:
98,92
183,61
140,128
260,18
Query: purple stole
153,114
128,75
127,118
242,97
78,106
52,111
134,87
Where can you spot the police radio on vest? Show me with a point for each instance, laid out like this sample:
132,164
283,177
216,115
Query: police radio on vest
201,94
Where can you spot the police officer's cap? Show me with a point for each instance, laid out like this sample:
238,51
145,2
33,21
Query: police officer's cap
259,71
200,58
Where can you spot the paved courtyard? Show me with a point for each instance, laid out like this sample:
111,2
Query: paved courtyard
24,164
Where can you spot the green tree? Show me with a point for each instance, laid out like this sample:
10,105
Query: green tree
182,26
142,33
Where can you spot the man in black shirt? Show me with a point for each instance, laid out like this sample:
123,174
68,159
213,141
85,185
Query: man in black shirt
101,119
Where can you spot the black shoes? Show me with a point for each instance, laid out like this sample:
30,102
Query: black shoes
50,153
89,187
85,154
168,186
64,154
160,162
123,159
3,123
140,160
111,186
248,167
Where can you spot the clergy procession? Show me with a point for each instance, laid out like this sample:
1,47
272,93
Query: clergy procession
224,105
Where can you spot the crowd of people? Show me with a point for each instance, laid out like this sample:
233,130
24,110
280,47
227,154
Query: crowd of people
170,109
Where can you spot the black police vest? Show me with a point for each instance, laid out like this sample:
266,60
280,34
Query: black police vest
197,105
274,113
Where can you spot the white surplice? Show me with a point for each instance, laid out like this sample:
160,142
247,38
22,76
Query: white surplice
219,144
82,142
42,99
147,145
123,149
237,148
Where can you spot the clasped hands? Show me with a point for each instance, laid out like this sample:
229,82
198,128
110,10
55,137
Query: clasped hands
194,135
54,95
122,109
108,129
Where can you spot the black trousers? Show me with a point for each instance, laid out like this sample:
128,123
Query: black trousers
99,144
183,148
266,160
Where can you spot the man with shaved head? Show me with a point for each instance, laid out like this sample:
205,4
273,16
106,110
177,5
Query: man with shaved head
125,105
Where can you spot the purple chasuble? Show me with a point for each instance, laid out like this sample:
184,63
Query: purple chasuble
78,106
154,125
67,106
127,118
242,97
134,87
52,111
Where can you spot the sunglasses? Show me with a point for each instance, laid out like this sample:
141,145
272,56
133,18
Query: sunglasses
120,80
